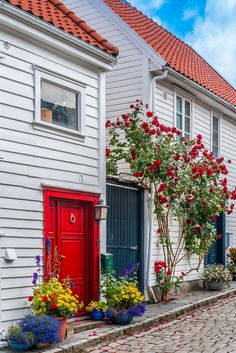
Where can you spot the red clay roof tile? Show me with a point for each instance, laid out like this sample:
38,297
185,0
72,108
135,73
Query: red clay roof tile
179,56
57,14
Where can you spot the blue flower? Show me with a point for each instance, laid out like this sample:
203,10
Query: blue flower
34,281
45,328
130,269
35,275
137,310
109,313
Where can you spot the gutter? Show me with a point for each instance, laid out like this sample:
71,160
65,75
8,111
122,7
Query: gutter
155,79
201,88
16,12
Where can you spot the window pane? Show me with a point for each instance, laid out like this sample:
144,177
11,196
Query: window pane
179,121
215,138
187,135
187,124
187,108
59,106
179,105
215,123
215,150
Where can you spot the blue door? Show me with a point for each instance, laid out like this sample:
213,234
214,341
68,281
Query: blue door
216,253
125,226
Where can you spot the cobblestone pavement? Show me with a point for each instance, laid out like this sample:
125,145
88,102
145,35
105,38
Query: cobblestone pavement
211,330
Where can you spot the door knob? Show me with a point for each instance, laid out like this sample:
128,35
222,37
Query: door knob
62,257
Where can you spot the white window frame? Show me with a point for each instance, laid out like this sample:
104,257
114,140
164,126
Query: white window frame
64,82
213,114
176,94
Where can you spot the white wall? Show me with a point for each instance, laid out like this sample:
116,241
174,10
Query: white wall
32,158
201,125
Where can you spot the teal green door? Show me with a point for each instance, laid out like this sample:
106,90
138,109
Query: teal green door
216,253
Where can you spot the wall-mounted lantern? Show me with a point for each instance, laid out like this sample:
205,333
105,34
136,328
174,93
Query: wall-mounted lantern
101,211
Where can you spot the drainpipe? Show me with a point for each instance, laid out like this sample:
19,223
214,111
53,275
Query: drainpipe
155,79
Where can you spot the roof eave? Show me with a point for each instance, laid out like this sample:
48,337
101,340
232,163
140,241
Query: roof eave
28,18
204,90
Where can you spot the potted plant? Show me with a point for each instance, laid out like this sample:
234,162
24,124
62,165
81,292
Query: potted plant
124,299
96,309
231,254
18,339
44,328
54,298
216,276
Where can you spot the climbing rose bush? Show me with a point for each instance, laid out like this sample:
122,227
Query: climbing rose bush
188,183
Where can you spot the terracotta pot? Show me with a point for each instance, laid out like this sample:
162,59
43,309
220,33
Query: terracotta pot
46,115
62,328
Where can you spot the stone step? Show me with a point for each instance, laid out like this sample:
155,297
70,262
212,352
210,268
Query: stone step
81,325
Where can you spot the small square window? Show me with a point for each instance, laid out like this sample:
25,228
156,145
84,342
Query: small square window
59,105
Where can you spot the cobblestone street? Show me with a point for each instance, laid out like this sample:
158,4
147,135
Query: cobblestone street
209,330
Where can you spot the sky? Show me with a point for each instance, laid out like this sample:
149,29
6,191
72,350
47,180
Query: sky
209,26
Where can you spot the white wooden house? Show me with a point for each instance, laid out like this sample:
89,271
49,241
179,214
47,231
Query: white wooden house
52,147
166,73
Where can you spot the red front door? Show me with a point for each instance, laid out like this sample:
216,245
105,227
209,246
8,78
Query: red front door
72,244
71,236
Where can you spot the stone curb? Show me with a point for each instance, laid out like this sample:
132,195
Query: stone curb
80,345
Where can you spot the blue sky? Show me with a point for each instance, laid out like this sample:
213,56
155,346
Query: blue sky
209,26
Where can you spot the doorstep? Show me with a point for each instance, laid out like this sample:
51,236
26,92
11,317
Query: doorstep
156,313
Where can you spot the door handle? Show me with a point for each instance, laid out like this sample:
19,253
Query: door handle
134,247
62,257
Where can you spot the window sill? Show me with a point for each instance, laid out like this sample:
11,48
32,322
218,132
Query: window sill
58,130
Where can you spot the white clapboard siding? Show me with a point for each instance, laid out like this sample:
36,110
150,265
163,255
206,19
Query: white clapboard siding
33,157
127,82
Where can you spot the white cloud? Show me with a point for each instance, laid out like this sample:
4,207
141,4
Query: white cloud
189,14
214,37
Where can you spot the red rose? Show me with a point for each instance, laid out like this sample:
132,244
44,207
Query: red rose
177,157
30,298
108,123
169,273
108,152
144,125
229,161
209,171
132,106
220,236
199,137
44,299
53,305
149,114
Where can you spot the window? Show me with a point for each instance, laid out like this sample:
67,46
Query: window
183,117
59,105
215,137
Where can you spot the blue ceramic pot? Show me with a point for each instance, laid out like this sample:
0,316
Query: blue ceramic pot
18,346
124,319
97,315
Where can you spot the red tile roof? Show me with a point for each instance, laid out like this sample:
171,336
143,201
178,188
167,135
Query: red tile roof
178,55
58,15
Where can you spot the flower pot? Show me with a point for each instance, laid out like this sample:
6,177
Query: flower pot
18,346
62,328
46,115
124,319
97,315
215,285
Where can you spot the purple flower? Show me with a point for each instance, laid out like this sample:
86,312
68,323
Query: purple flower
72,284
37,259
109,313
35,275
137,310
130,269
48,246
34,281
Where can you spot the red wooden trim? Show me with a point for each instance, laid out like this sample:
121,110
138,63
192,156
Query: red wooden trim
93,231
